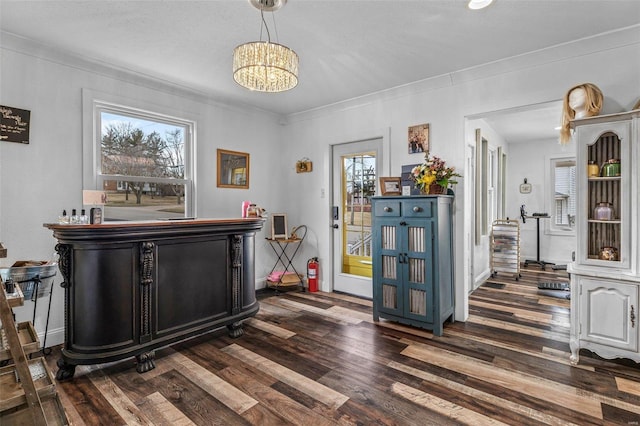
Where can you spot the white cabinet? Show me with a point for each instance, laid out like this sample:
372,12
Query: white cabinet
608,318
605,279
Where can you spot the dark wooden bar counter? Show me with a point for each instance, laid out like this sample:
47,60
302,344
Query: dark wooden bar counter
132,287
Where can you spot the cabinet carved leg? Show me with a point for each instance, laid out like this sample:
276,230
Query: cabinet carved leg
146,362
65,371
575,351
235,329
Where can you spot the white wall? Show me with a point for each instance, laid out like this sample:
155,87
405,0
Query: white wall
444,102
481,254
531,161
40,179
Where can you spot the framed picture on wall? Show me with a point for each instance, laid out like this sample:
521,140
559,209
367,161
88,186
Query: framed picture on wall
233,169
418,138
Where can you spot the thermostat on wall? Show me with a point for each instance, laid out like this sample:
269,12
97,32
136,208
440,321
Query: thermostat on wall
525,188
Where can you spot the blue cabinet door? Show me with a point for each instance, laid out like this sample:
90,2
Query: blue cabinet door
388,267
418,270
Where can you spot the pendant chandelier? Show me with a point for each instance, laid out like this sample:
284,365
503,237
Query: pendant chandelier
262,65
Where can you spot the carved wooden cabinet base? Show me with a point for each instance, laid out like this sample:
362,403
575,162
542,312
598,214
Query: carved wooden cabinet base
131,287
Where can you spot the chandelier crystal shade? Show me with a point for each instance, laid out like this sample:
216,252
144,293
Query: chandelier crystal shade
265,66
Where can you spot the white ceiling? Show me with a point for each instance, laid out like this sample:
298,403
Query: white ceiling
347,48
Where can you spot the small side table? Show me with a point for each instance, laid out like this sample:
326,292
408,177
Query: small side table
542,263
290,276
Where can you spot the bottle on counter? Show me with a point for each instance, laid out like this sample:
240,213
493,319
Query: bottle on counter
63,219
84,219
74,217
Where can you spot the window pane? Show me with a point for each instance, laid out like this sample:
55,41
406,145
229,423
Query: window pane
143,200
564,177
133,146
143,164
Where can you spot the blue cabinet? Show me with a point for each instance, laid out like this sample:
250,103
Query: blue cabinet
413,260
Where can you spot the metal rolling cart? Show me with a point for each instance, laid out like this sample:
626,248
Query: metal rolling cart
505,247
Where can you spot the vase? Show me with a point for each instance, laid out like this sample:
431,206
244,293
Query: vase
435,188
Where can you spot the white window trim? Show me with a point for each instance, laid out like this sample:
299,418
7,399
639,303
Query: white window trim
93,103
550,199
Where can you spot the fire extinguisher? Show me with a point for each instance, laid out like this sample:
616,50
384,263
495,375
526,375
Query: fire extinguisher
312,274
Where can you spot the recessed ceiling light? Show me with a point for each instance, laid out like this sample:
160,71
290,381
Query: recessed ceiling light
479,4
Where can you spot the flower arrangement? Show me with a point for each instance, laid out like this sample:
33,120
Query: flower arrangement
433,171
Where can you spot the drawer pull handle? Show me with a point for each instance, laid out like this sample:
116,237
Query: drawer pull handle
387,209
417,209
632,316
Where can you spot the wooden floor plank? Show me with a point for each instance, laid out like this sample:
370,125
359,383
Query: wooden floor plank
167,413
442,406
480,395
270,328
129,412
327,396
320,359
215,386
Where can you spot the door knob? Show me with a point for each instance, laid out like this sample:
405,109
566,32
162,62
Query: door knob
335,226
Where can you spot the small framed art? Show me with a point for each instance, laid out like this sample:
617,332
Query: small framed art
419,138
279,226
390,186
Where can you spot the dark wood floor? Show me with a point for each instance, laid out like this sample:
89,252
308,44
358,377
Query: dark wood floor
318,358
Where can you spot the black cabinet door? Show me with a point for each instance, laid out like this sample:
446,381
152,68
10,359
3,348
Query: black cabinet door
194,292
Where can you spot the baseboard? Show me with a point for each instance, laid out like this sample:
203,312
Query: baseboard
54,337
481,279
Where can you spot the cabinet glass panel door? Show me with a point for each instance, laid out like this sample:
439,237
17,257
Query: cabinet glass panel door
605,201
604,196
419,273
390,259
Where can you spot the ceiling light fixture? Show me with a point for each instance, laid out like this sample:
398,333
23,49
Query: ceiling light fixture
262,65
479,4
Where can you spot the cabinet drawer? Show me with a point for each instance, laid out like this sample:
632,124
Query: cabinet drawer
417,208
389,208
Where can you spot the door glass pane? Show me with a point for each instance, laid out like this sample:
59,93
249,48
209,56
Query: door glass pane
358,186
389,267
416,271
417,301
416,239
389,296
388,238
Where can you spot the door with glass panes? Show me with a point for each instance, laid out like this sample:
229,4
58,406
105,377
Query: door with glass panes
355,173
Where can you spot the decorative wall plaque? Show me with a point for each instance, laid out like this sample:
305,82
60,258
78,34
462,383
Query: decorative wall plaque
14,124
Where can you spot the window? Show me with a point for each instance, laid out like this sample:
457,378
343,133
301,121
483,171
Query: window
142,160
562,190
492,187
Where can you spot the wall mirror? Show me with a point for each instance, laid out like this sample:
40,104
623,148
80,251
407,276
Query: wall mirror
233,169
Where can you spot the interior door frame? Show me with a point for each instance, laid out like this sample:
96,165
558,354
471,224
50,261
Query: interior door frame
384,166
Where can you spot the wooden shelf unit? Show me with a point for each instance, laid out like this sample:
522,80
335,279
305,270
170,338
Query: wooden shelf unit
28,394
